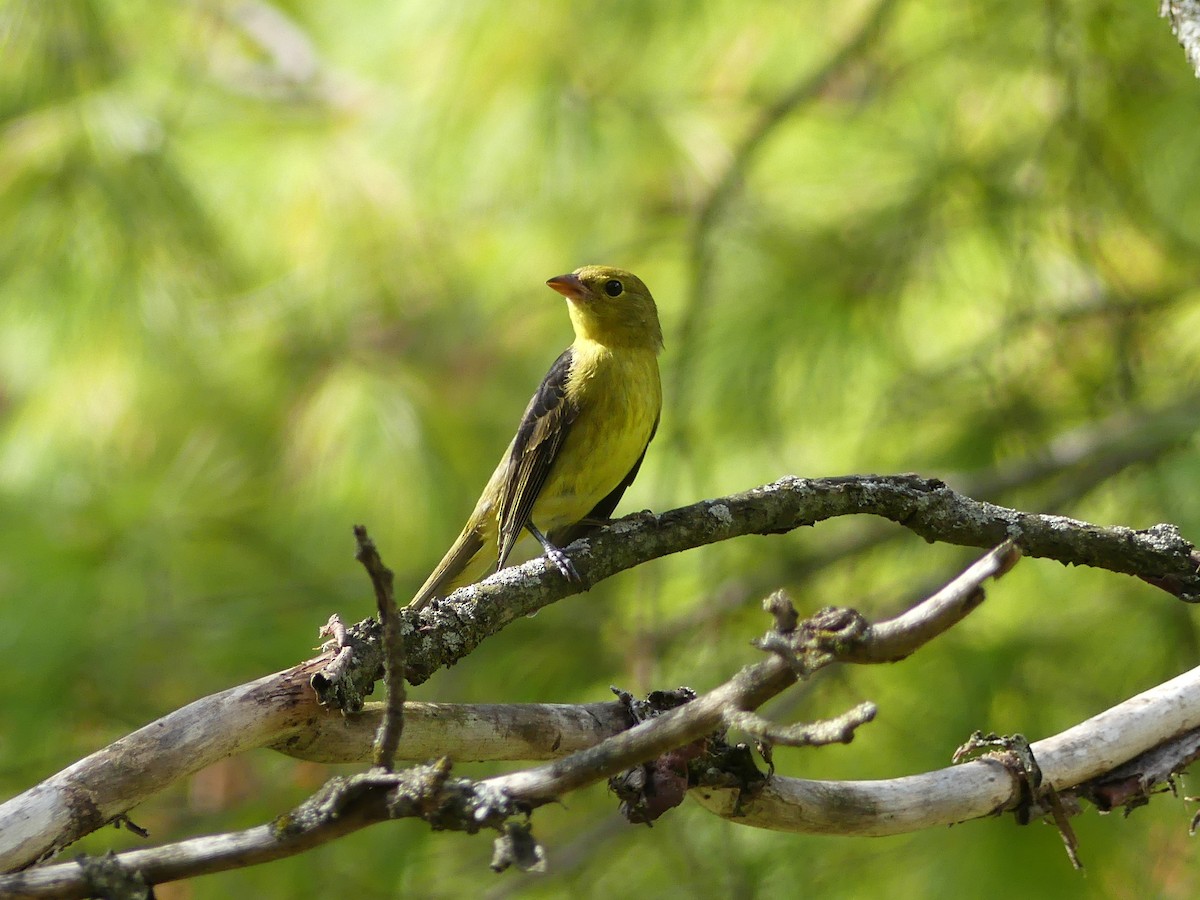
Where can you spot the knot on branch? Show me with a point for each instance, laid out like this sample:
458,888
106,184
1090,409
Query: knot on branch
655,704
833,627
1036,797
829,633
350,676
648,790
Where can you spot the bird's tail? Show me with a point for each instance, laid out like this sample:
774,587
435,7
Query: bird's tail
465,563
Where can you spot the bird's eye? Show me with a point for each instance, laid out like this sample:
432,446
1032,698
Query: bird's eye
613,288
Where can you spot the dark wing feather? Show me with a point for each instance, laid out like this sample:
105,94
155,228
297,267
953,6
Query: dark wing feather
605,507
543,429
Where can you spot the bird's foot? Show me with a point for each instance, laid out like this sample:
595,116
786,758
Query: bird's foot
563,564
555,555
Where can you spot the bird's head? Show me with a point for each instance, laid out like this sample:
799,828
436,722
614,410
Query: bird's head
611,307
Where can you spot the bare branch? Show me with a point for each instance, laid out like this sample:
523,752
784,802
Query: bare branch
1089,753
466,732
88,794
281,711
1091,750
342,806
828,636
1087,756
897,638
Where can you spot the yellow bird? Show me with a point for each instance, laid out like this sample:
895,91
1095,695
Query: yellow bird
581,440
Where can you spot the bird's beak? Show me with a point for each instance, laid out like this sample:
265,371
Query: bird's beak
569,286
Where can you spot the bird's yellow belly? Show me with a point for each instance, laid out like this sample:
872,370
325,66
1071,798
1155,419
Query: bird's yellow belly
604,442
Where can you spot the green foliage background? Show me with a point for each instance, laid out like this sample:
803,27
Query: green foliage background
267,271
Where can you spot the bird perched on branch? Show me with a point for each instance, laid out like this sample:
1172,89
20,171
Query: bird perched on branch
581,440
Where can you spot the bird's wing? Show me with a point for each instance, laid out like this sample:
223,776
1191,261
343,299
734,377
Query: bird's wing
605,507
544,427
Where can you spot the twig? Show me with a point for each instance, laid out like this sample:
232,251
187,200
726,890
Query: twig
382,579
838,730
898,637
569,858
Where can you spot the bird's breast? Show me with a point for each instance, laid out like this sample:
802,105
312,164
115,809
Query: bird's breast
619,398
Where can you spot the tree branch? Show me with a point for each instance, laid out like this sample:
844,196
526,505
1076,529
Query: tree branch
1069,466
427,792
281,711
449,629
1086,752
276,710
830,635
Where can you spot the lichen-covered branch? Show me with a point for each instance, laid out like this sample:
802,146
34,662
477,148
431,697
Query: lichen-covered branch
1065,468
449,629
344,805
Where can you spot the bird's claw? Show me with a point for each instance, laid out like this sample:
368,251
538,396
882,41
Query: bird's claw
564,565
